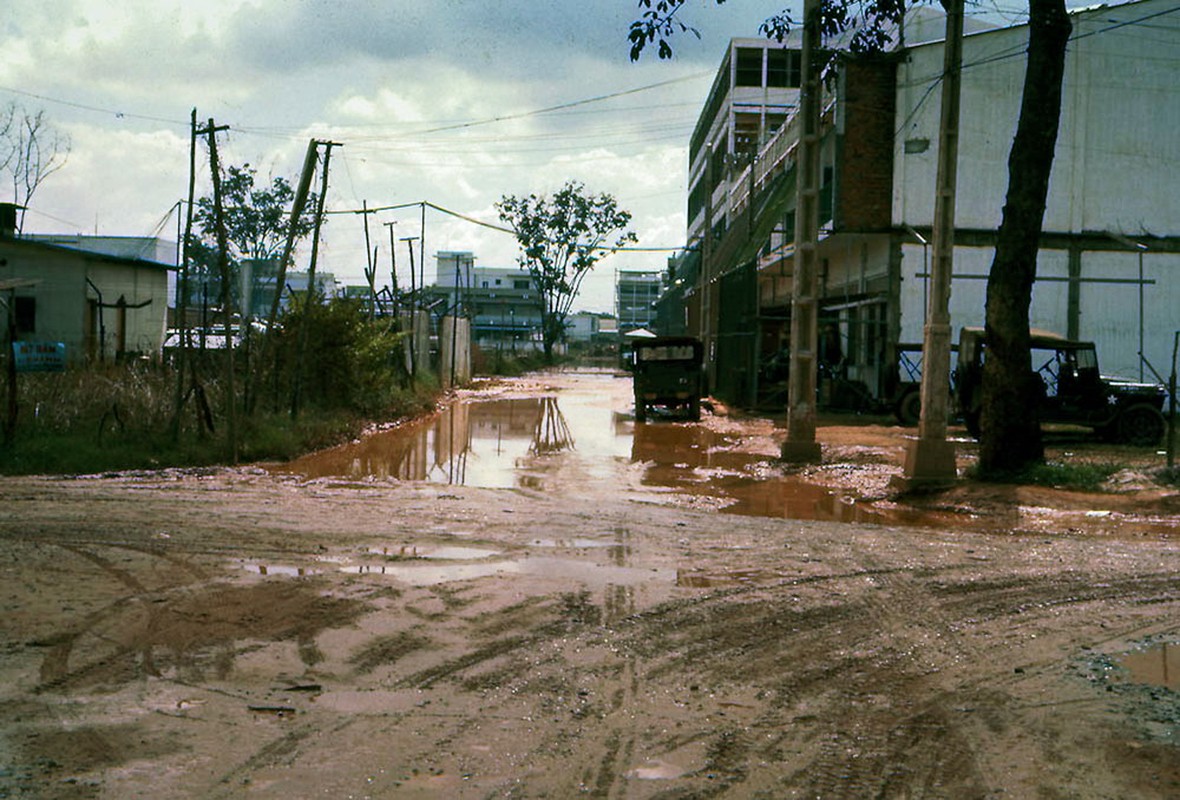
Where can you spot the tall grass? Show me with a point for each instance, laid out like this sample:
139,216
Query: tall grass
117,417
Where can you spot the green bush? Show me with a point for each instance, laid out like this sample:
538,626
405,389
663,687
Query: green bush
113,417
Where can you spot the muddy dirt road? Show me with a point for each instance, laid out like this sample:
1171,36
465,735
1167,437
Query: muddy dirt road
528,598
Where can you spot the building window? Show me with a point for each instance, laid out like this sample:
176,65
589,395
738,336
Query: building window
25,314
520,284
783,69
749,67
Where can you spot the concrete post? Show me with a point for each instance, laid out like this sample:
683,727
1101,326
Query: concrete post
800,445
930,460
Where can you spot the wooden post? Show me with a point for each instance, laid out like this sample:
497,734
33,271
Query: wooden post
182,281
10,361
304,325
231,395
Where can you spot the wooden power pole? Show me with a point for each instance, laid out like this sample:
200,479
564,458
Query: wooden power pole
304,325
231,394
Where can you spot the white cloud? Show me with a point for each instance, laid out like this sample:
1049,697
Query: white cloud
432,101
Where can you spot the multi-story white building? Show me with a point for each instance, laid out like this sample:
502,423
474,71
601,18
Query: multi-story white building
1110,251
636,293
502,303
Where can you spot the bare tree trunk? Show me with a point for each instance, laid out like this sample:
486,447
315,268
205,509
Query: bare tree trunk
1010,433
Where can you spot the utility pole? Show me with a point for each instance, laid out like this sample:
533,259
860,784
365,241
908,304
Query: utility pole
370,260
182,282
422,251
301,192
231,395
310,300
800,446
409,240
392,258
930,459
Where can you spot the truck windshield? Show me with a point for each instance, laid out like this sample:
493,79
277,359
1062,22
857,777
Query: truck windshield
665,353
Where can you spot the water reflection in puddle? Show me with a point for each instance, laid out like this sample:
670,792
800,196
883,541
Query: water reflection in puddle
583,572
488,443
432,573
1156,666
545,444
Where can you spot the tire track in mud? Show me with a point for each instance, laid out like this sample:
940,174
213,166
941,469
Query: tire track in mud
603,771
55,671
283,749
859,744
874,741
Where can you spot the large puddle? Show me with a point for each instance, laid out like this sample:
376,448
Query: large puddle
558,443
490,443
578,440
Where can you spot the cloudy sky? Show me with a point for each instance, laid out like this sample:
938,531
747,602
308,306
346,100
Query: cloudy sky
454,102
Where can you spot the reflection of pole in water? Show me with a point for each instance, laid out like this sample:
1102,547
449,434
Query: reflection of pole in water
552,432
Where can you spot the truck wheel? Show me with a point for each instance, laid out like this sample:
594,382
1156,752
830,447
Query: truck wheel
1141,425
909,408
971,420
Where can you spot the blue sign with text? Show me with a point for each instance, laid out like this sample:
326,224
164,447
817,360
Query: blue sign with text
39,356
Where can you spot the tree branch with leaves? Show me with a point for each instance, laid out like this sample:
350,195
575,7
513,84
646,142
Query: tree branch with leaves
561,239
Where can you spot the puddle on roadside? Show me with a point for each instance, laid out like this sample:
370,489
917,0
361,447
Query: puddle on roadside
442,553
560,444
573,544
504,443
1155,666
584,572
526,442
279,569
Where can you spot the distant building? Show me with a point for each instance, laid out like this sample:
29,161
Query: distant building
502,303
635,298
583,326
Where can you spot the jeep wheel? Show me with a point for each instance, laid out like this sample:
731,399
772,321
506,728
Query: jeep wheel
909,408
971,420
1141,425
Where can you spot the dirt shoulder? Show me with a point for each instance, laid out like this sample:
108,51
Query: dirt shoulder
236,633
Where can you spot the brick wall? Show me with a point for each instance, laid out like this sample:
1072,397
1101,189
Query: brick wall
864,153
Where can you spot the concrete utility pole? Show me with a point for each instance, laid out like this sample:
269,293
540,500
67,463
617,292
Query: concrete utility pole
930,459
800,446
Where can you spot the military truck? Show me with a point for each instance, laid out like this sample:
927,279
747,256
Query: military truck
1075,392
667,374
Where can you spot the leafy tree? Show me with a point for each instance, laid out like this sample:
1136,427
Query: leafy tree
31,150
561,239
1010,437
257,221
